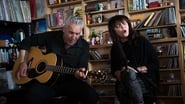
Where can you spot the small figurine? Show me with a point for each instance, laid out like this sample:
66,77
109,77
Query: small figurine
101,6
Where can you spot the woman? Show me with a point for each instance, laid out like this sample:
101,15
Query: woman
134,63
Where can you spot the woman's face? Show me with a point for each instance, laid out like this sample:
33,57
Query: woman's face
122,29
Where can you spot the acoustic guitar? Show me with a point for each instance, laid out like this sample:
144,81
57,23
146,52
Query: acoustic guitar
42,67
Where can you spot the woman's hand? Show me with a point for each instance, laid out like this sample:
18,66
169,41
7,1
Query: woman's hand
118,72
118,75
142,69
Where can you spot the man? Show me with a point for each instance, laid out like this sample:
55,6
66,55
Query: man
73,52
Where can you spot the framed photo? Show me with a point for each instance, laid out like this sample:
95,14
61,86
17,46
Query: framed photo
116,4
106,38
98,18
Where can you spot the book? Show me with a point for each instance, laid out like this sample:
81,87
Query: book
40,8
53,19
40,26
95,55
92,55
182,31
6,10
48,20
172,16
22,10
141,24
60,17
33,8
16,6
130,5
182,3
12,13
158,19
27,10
69,12
149,18
1,11
154,18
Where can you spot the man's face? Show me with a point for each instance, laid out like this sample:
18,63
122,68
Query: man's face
72,32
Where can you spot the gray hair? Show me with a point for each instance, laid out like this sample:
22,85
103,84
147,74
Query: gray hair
75,20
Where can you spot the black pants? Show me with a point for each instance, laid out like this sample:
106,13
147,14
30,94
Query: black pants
76,91
132,90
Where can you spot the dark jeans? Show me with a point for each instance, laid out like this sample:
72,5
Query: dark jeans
76,91
132,90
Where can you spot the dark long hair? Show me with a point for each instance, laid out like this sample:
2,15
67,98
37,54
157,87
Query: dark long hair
112,23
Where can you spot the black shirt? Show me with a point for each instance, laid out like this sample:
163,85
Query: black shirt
139,53
76,56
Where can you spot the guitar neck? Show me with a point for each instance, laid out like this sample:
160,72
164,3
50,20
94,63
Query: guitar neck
90,74
60,69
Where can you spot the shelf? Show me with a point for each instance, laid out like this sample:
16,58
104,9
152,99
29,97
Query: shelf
113,96
101,46
160,26
65,4
106,11
168,69
165,40
56,28
183,39
182,10
149,10
169,97
170,83
103,84
169,56
97,24
35,19
93,1
101,60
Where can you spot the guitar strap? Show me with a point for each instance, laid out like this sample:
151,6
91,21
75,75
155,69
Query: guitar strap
59,61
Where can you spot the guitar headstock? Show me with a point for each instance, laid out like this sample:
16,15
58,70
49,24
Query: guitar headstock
97,75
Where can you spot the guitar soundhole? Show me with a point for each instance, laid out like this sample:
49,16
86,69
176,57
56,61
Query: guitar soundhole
41,67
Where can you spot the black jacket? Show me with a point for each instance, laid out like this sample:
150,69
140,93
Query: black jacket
138,53
75,56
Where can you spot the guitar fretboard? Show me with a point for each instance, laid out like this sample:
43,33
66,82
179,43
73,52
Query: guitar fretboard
60,69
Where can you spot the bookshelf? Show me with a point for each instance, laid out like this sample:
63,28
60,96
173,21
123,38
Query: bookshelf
13,29
58,11
165,30
38,16
166,36
100,59
15,25
97,20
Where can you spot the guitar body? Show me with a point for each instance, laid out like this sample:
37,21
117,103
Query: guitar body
43,68
36,66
